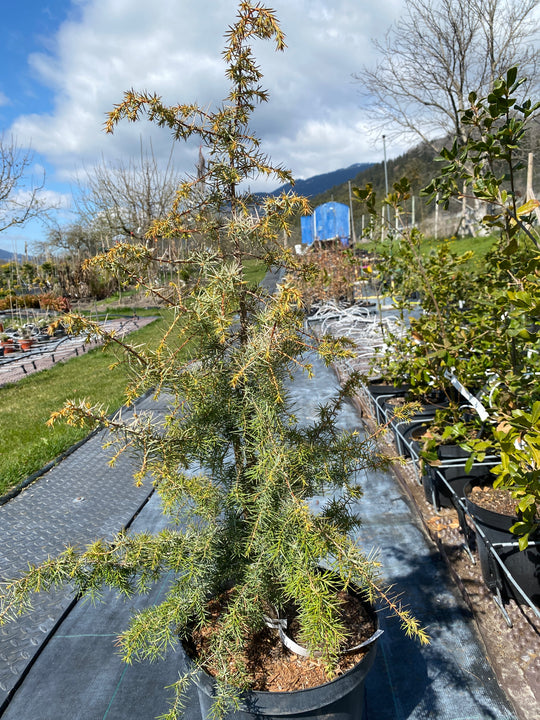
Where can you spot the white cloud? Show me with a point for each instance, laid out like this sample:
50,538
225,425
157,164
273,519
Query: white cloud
54,199
173,47
48,198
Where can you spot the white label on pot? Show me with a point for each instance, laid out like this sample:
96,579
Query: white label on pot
475,403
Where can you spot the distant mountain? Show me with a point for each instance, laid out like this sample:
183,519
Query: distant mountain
321,183
6,255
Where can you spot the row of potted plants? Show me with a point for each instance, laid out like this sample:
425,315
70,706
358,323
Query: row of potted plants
449,480
473,351
21,336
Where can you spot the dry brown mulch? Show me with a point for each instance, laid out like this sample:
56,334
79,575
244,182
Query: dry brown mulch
275,668
497,500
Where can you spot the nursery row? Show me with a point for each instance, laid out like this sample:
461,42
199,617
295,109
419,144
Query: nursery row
467,340
247,543
485,513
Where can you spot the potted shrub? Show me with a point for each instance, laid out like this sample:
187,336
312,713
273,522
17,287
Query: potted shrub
448,463
26,340
489,339
506,343
493,510
476,325
7,343
233,466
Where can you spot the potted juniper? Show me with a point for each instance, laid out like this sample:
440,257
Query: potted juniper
234,468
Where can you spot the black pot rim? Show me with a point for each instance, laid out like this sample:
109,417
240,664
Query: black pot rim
315,697
275,703
488,511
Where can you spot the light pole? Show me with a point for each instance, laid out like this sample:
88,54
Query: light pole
386,179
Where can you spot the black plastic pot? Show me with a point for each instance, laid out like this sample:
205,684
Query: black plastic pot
423,415
431,492
453,459
377,388
380,391
340,699
523,565
407,434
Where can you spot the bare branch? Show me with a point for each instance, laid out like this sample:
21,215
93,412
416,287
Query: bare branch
439,52
20,199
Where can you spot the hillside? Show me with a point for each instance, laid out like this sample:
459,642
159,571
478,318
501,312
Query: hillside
7,256
418,165
319,184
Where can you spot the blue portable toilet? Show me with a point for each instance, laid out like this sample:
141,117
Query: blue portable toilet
306,224
332,222
329,222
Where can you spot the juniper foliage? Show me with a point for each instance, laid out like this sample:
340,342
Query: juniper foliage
234,468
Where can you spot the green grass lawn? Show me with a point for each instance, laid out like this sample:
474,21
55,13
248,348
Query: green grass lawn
26,442
479,245
254,271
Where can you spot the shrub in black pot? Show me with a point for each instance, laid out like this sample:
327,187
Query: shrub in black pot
380,391
493,535
233,466
454,469
449,463
341,697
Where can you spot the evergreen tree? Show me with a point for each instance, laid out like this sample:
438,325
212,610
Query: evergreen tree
233,467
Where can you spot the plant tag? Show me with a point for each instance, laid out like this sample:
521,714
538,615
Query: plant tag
281,626
475,403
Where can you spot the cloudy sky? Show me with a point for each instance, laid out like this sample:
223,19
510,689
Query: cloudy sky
65,63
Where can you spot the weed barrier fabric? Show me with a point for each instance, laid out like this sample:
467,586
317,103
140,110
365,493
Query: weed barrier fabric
80,676
272,278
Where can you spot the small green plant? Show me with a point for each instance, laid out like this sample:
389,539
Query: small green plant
440,283
487,163
480,325
516,440
486,166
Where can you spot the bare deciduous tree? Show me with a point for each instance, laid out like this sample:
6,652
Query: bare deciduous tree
440,51
73,240
124,199
19,195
